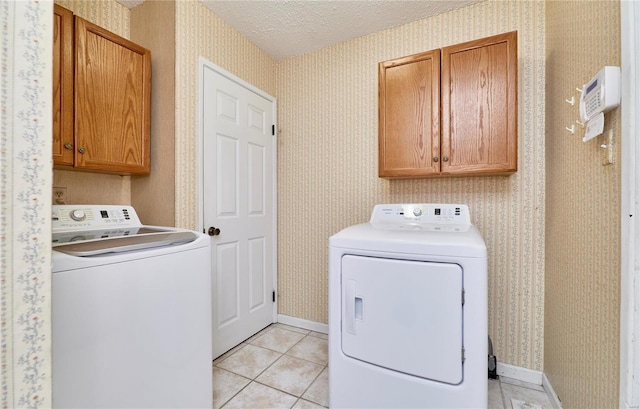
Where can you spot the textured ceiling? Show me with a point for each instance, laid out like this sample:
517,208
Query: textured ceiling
285,28
130,3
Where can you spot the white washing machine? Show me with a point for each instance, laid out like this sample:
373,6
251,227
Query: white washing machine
408,310
131,312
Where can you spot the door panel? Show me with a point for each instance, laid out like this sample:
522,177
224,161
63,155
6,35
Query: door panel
227,107
256,180
403,315
257,118
257,284
238,176
228,279
227,172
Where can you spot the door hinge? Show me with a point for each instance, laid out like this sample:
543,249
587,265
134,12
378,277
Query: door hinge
462,297
462,355
273,130
273,296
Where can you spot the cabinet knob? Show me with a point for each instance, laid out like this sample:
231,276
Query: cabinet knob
82,150
68,145
445,159
435,159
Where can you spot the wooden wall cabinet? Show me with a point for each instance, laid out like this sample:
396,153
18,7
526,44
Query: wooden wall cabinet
450,112
110,99
62,86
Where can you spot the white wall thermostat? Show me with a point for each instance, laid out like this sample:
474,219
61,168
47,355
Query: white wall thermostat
601,93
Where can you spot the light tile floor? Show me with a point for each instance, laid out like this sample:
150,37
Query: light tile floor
286,367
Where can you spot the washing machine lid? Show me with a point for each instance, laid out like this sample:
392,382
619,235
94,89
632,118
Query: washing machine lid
96,230
428,229
147,239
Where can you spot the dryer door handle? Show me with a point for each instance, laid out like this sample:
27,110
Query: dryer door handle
349,307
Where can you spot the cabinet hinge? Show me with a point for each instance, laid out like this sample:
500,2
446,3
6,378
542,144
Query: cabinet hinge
273,130
462,297
462,355
273,296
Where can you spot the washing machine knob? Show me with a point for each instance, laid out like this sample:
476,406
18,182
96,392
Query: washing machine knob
417,212
78,215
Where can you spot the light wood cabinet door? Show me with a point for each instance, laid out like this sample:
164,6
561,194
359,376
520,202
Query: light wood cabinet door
409,118
112,102
62,87
450,112
479,106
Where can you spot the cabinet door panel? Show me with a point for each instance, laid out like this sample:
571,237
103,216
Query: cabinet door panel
409,123
479,106
62,87
112,100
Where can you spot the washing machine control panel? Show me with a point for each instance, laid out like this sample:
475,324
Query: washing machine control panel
422,213
81,217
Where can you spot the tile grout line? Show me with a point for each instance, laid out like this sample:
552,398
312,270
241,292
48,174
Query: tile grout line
246,342
237,393
306,360
279,358
291,356
504,402
292,346
252,380
276,389
282,354
267,368
312,382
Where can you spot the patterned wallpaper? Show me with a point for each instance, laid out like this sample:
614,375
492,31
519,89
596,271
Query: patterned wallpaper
106,13
327,169
582,282
199,32
25,203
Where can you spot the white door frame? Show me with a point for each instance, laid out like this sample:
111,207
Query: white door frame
203,62
630,207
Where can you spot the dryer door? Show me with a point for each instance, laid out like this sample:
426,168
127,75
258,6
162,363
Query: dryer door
404,315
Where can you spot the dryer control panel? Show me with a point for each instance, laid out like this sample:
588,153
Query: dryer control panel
419,213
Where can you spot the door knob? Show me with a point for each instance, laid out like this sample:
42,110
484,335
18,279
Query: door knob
213,231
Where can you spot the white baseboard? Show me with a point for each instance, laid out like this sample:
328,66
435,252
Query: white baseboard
530,376
302,323
553,396
519,373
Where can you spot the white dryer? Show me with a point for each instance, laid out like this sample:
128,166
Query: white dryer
408,310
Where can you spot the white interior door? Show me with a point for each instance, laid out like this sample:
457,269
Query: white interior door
238,205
